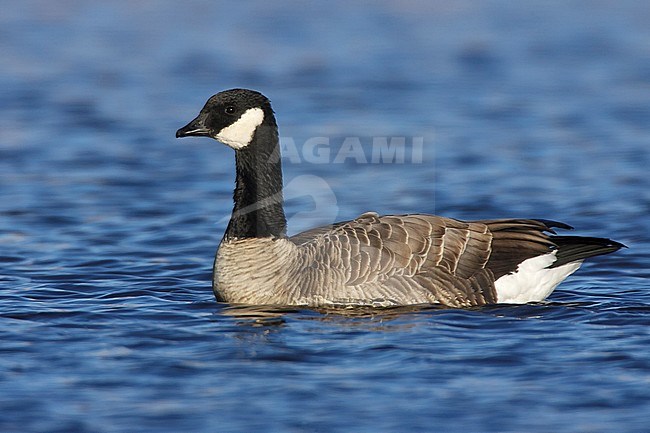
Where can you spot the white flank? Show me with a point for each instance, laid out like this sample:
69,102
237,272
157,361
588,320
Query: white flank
239,134
533,281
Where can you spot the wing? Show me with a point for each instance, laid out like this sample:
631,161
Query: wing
453,262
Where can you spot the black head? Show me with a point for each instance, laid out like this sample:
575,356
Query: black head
231,117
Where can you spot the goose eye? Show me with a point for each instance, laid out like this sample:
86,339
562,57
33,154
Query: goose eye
229,109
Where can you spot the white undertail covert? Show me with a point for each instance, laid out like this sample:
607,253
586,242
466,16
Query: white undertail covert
533,281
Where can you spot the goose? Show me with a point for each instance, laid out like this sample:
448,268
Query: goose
371,261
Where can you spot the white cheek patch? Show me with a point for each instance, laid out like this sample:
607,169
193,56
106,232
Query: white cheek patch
239,134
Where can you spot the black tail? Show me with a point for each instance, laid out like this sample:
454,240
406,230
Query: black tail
572,248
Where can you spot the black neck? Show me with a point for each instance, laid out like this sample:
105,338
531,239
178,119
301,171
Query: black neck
258,210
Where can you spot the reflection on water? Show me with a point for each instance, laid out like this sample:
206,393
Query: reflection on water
271,315
258,315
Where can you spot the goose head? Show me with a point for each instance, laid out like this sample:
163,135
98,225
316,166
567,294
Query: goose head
234,117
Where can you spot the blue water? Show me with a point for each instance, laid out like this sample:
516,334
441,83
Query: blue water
108,224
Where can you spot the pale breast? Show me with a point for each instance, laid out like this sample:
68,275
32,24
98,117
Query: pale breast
256,271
